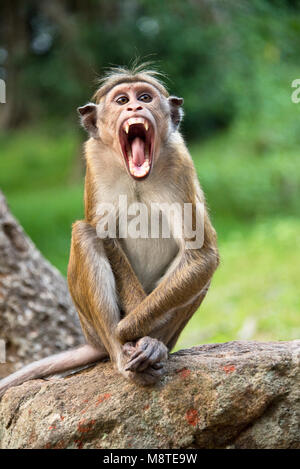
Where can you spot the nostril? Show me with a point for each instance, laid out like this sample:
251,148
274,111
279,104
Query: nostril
129,109
139,108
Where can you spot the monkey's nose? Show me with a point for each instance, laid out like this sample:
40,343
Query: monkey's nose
139,108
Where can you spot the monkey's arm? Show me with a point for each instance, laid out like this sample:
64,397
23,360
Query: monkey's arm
183,286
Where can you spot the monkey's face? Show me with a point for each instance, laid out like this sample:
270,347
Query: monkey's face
135,120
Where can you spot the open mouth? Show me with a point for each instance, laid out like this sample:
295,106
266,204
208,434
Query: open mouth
137,142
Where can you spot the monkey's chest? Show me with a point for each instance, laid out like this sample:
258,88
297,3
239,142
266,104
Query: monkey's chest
150,258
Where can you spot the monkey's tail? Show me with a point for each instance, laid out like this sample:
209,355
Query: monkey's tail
81,356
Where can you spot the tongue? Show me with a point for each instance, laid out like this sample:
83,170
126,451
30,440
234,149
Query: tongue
138,151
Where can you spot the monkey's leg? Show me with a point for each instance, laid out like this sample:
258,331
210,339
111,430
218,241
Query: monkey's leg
92,286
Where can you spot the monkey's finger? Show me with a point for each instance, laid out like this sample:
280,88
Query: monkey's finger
139,351
153,357
146,359
140,359
147,348
134,363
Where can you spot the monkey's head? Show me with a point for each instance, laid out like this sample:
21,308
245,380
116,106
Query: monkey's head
133,115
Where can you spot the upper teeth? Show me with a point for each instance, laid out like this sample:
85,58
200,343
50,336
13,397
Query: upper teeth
135,120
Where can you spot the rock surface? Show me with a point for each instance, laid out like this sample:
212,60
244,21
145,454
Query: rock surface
232,395
37,316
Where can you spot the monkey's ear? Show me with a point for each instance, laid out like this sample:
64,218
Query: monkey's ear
88,119
176,110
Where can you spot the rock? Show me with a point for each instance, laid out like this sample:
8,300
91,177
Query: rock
231,395
37,316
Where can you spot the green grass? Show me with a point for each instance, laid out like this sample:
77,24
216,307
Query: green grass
255,291
252,184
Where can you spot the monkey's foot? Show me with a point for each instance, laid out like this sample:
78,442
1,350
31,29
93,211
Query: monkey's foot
148,353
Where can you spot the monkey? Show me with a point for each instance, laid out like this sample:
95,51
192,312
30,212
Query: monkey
134,295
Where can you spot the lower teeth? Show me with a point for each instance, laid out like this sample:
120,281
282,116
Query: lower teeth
138,170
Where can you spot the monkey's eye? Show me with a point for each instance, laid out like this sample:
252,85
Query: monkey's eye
145,98
122,100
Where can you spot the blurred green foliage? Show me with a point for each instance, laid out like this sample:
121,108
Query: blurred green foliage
228,59
233,62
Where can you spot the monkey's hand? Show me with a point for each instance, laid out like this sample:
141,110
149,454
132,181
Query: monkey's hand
143,361
147,352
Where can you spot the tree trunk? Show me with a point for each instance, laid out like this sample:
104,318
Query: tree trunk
37,316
